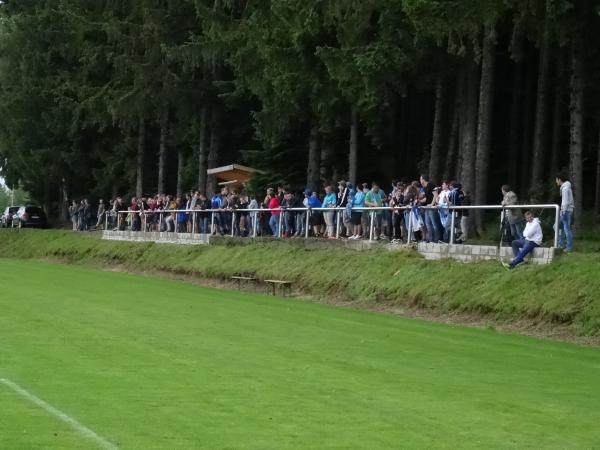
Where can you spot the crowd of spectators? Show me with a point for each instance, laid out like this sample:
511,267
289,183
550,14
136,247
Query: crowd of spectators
411,211
357,212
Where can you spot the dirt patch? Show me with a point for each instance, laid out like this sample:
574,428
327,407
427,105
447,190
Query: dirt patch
531,327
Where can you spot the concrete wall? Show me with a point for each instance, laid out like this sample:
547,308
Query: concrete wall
473,253
160,238
466,253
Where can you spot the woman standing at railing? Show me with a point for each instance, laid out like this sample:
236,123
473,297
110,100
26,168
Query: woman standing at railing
180,217
330,201
316,217
442,204
254,222
358,201
397,201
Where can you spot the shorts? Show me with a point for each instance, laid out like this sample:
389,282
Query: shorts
316,219
356,218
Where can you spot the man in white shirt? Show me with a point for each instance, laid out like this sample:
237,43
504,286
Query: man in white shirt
532,238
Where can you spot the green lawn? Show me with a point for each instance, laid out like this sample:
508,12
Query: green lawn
149,363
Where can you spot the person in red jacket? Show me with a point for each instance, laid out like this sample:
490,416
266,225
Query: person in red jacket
274,206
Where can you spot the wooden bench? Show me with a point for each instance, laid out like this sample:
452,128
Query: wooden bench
286,286
239,280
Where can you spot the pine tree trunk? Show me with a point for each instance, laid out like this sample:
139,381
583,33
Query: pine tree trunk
468,131
213,153
353,154
203,151
436,140
576,125
139,185
557,115
515,121
484,123
404,151
47,197
597,199
64,204
461,99
451,165
539,135
325,166
394,148
180,169
162,153
313,179
516,53
525,150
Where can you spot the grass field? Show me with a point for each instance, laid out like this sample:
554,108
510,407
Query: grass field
150,363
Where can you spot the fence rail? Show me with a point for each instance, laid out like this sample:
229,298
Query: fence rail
213,214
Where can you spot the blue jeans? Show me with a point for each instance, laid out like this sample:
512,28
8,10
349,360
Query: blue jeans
446,223
289,222
565,220
521,248
301,223
516,230
433,225
274,224
204,225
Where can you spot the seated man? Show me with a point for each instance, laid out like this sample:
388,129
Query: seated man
532,238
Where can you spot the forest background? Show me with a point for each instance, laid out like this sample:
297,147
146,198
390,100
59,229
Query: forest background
135,97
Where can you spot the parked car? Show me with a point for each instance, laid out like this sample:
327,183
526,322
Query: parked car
7,216
30,217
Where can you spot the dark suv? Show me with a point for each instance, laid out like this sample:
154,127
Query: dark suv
30,217
7,216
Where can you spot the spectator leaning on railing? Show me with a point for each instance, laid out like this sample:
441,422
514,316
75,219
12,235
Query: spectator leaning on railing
330,201
274,206
514,217
374,199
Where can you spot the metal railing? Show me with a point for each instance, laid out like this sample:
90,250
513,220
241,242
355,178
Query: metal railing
215,216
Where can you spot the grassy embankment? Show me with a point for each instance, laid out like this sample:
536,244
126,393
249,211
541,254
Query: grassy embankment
566,292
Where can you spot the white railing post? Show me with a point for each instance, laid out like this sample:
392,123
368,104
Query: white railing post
452,224
212,222
372,216
232,223
280,220
409,227
556,225
307,230
337,223
193,223
254,223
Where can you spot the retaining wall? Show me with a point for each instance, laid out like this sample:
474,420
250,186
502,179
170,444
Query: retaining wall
466,253
159,238
473,253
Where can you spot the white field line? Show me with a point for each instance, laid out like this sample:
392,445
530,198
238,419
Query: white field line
82,429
